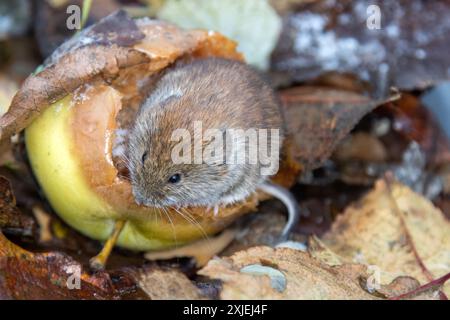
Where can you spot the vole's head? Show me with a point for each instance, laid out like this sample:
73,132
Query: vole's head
162,163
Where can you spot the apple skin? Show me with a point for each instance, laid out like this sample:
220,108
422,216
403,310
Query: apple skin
55,163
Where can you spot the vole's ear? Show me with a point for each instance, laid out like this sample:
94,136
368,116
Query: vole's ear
164,95
172,95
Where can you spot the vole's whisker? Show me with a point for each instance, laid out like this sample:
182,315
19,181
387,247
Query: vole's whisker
196,223
171,223
192,222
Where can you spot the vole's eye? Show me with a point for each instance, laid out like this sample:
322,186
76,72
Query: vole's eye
175,178
144,156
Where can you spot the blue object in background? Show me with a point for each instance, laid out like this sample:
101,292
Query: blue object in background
437,100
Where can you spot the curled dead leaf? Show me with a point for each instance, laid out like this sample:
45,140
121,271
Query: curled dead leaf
319,118
398,231
304,276
58,78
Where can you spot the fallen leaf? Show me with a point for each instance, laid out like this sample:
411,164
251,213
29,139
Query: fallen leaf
57,80
27,275
304,276
401,286
319,118
396,230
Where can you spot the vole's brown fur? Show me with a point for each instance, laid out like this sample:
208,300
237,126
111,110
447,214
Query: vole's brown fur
220,93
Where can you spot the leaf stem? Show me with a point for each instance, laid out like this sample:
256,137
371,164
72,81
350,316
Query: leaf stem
430,285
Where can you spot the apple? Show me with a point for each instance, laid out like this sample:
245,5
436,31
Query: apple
69,147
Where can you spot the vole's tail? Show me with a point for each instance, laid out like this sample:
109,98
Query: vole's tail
290,202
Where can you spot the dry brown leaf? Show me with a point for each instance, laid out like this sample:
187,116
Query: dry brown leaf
286,273
305,277
319,118
26,275
403,287
50,275
57,80
396,230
